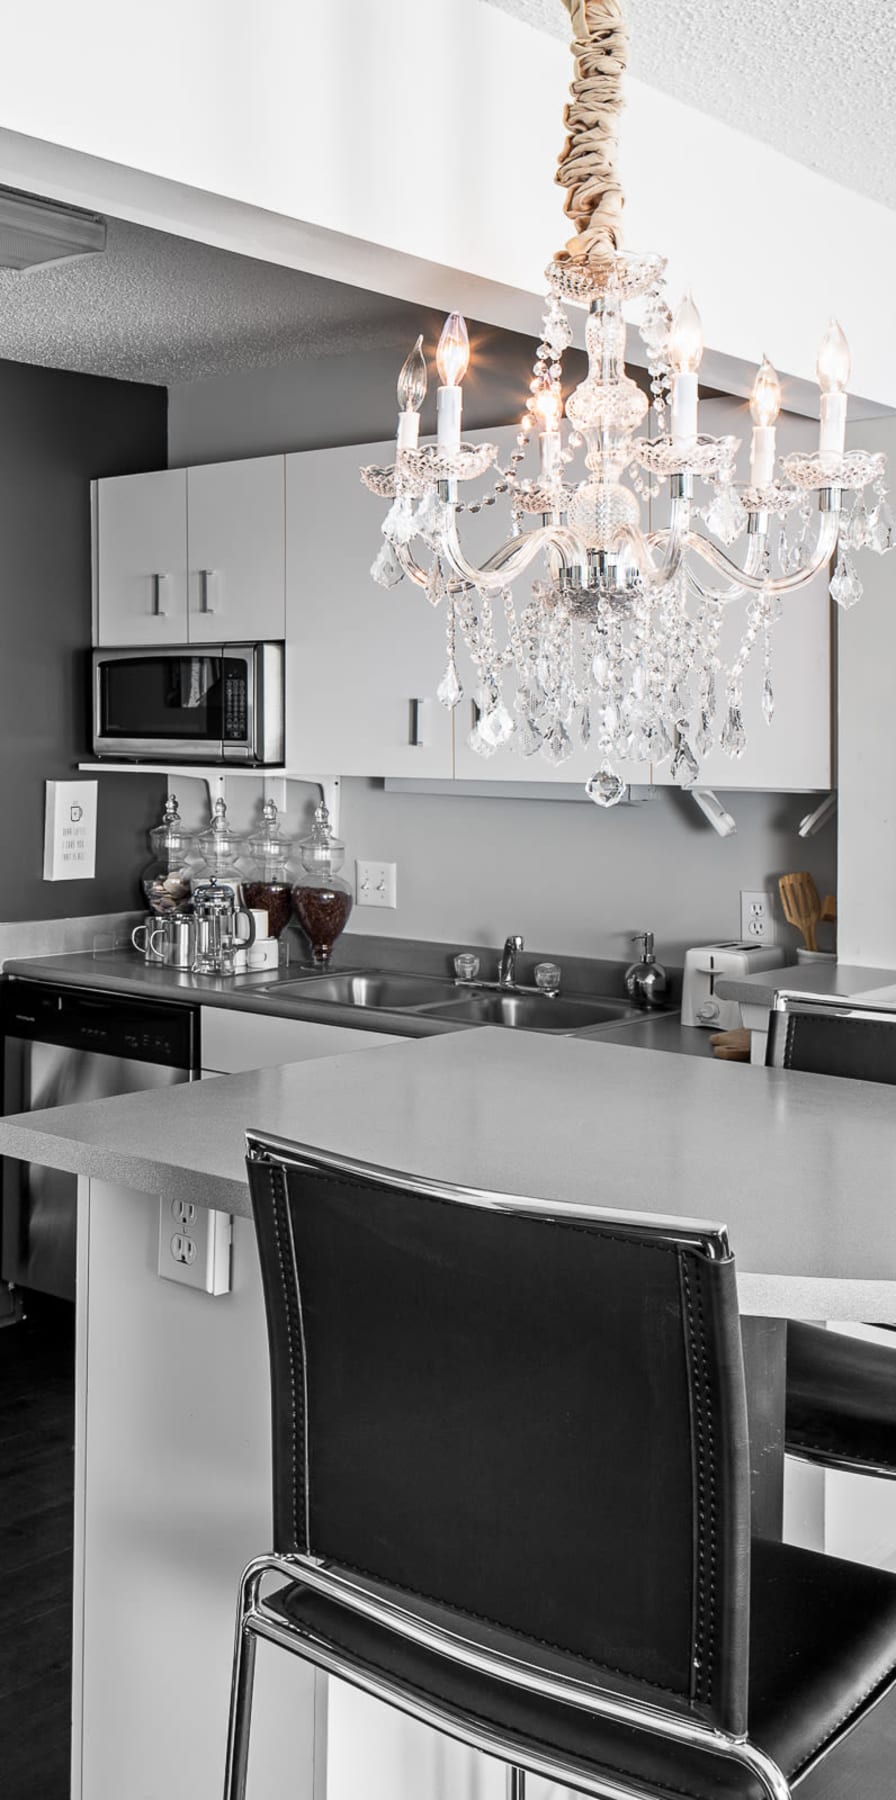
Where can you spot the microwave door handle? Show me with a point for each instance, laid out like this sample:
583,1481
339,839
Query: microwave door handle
206,602
158,594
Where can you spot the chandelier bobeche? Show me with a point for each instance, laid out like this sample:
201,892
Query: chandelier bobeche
617,644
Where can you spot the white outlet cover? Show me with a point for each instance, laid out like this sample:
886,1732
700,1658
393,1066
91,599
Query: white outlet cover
194,1245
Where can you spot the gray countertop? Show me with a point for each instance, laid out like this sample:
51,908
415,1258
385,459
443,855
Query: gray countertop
801,1176
846,979
123,972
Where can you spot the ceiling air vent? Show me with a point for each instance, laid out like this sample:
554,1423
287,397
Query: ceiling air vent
34,231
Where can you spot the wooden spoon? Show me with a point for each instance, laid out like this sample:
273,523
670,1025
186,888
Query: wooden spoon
802,907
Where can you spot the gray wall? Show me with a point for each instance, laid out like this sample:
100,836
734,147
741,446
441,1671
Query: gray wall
569,877
57,431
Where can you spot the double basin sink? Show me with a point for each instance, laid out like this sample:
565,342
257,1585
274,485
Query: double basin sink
428,997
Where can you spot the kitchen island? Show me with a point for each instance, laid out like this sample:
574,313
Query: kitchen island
172,1419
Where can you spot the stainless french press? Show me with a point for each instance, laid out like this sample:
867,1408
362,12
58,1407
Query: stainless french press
219,932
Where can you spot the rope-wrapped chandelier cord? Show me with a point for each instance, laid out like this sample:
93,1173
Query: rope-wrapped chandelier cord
587,166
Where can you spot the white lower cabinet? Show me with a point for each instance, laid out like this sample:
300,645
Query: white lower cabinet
232,1042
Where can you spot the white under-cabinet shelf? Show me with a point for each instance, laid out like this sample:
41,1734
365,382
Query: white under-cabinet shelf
217,776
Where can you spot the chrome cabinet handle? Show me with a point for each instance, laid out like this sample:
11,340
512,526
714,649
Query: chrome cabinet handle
158,610
416,718
206,604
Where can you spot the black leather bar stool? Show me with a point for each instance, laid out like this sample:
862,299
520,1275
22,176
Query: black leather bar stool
841,1390
511,1497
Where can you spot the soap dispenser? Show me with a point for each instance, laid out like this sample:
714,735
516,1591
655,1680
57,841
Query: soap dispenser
646,980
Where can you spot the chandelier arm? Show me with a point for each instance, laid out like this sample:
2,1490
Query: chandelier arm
724,596
409,565
587,164
778,584
513,556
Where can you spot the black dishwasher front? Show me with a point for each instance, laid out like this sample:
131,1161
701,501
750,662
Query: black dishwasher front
63,1046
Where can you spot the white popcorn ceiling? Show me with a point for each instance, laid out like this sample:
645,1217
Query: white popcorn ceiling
813,78
158,308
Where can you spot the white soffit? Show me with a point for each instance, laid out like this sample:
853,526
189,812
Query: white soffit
159,308
812,78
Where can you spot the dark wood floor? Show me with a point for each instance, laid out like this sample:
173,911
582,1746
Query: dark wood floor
36,1470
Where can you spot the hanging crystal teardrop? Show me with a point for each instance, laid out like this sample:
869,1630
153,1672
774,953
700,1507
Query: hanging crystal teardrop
734,738
449,691
727,515
385,568
846,587
605,788
685,767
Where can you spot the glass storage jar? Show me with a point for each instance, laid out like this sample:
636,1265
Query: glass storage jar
167,879
321,898
269,870
221,851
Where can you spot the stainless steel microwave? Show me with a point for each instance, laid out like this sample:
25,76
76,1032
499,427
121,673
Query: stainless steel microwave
219,703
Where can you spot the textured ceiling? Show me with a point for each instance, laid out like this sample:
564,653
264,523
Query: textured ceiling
164,309
814,78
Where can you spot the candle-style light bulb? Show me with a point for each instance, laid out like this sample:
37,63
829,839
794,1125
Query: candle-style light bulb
765,400
685,351
412,380
453,353
453,358
765,405
686,338
832,369
834,361
549,407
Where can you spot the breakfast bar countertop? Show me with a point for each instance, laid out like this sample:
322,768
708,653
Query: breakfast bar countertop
799,1169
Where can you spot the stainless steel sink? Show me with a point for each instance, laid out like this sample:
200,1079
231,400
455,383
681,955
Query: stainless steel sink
396,993
533,1012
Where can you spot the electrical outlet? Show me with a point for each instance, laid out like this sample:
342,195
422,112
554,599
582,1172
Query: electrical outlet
194,1245
376,884
757,924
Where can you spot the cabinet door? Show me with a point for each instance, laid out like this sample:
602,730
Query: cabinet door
236,551
359,656
794,751
141,559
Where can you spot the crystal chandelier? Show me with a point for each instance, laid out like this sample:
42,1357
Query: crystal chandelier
618,641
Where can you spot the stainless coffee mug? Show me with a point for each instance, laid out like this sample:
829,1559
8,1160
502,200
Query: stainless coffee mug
182,941
151,938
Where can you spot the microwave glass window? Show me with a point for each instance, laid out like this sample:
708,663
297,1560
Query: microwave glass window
185,697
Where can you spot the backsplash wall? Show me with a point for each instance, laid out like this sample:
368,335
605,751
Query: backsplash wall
570,878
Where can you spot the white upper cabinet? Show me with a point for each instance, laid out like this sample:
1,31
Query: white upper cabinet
236,551
191,555
141,558
364,661
794,751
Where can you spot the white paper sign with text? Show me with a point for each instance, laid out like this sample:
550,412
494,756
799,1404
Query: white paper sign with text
70,831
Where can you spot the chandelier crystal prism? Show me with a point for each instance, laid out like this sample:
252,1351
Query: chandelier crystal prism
618,642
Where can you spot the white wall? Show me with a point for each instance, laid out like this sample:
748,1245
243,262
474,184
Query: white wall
867,777
409,146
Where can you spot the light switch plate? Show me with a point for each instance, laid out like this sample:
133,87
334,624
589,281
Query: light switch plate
376,883
194,1245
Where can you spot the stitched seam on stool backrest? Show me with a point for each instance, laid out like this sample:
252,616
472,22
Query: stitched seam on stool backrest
707,1514
297,1416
